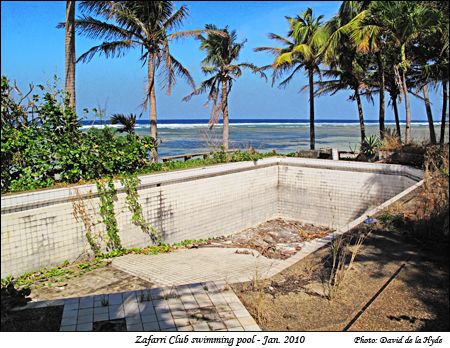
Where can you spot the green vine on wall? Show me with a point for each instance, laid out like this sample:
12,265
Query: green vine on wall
130,184
80,212
107,193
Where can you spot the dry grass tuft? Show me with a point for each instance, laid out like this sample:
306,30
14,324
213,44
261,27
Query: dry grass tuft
342,256
434,199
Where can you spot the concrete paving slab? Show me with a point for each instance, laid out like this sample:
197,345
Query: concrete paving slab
213,313
204,264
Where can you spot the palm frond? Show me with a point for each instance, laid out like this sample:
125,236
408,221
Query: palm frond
273,50
180,70
279,38
109,49
286,81
127,121
175,21
202,88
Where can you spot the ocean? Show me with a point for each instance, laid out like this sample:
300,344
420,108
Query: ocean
283,135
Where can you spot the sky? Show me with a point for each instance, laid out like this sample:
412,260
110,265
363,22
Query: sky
32,50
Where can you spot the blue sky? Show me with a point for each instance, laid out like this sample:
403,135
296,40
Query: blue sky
32,50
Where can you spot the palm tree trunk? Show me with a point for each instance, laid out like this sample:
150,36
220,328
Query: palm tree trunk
225,115
70,53
429,114
444,111
152,100
381,114
408,136
312,135
360,114
396,116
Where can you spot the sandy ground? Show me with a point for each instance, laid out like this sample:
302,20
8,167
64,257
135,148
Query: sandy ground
417,299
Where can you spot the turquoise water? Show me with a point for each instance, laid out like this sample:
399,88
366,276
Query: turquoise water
283,139
190,136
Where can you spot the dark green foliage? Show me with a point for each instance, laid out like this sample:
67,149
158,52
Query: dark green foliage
103,152
51,147
370,145
12,296
392,221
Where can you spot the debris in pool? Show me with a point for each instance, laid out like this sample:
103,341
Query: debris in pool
275,239
244,252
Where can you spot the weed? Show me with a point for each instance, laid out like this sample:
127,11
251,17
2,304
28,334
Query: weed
391,140
259,297
105,301
342,254
172,293
392,221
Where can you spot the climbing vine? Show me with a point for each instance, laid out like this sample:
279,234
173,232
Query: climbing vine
80,212
107,193
130,184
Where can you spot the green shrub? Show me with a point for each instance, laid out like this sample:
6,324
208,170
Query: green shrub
371,145
50,146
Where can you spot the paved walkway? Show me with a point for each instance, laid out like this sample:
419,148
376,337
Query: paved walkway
207,306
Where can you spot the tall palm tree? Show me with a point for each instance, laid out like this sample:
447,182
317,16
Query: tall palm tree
222,53
301,46
348,66
70,52
150,26
370,39
346,75
393,84
403,22
437,44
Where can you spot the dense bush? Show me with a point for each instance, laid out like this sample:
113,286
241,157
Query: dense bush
49,146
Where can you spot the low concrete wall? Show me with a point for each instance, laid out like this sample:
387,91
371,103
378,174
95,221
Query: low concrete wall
38,229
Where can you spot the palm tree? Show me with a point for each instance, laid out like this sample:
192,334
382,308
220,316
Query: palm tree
370,39
348,66
305,37
403,22
128,122
138,24
222,53
437,47
393,85
348,75
70,52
